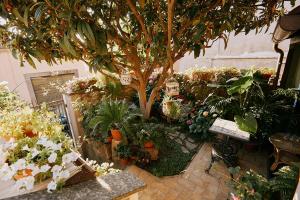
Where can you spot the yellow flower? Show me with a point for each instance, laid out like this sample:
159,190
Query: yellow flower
205,113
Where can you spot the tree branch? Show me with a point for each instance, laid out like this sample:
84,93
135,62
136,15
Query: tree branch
170,19
140,20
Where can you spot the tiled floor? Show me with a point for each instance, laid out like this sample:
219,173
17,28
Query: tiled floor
193,184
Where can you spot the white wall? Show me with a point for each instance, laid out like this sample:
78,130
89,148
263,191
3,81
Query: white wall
11,72
257,48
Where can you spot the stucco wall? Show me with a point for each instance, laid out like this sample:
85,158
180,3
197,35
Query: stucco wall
242,51
11,72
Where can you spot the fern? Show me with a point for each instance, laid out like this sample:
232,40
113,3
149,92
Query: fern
285,182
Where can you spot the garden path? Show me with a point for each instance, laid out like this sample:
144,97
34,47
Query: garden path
193,184
187,144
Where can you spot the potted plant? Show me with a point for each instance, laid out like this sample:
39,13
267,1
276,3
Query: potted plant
124,153
145,139
171,108
114,116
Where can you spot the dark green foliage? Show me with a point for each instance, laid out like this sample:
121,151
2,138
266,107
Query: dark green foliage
252,186
200,124
250,95
285,182
123,151
109,114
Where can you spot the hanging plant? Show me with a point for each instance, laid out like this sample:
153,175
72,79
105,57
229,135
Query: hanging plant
171,108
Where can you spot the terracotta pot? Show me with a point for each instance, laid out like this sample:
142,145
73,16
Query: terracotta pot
109,139
22,174
116,134
124,162
148,144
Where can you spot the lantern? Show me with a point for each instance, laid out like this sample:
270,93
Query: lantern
125,78
172,87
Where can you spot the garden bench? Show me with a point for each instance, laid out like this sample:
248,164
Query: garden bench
223,149
287,149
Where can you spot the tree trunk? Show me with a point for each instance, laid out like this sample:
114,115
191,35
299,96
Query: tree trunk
145,104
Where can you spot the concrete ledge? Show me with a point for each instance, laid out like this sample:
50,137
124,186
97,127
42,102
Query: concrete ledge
113,186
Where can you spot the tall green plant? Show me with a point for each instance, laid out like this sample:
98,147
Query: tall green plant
113,114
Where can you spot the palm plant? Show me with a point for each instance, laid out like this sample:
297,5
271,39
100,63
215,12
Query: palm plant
113,114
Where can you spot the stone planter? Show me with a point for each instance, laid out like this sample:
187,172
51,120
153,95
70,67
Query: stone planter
95,150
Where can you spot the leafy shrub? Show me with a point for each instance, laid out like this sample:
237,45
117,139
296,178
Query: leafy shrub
252,186
200,124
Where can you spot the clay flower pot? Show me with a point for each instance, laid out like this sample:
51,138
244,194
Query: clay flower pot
116,134
148,144
109,139
124,162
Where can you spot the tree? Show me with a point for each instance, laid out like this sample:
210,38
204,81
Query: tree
132,35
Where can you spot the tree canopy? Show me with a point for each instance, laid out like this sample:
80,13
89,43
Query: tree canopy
130,35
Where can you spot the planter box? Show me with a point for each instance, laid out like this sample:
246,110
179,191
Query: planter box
79,172
95,150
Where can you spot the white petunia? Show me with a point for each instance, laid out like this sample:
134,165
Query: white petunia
44,168
51,186
43,141
34,169
56,147
70,157
26,148
52,158
6,172
56,169
34,152
19,165
64,174
25,183
3,156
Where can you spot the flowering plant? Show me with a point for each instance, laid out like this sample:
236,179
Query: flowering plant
34,148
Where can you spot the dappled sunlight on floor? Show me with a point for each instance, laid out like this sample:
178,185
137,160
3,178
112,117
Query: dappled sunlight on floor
193,184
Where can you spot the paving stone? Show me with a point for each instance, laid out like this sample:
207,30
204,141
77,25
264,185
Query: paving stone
182,136
179,141
190,146
184,150
193,184
190,140
174,134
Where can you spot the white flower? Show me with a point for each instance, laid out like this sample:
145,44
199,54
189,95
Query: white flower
25,183
34,152
43,141
51,186
52,158
70,157
3,156
19,165
64,174
6,172
34,169
56,169
44,168
56,147
26,148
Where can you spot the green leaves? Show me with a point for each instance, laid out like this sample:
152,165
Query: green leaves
241,85
85,32
247,123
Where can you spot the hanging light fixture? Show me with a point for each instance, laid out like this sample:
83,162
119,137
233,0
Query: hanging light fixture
172,87
125,78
